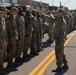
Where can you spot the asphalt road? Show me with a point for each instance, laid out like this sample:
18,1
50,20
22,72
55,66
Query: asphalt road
45,61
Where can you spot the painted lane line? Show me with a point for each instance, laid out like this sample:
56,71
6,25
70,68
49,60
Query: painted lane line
52,59
44,61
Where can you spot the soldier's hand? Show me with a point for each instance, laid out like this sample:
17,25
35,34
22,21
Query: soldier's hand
16,37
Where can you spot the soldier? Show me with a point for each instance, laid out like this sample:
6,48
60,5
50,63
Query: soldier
59,41
39,32
33,46
21,33
12,36
3,39
43,17
50,27
28,32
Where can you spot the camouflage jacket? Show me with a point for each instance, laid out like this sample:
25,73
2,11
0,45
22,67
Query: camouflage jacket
28,24
34,23
3,33
11,27
60,26
20,25
39,23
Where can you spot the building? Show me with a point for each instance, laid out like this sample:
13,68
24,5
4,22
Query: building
28,2
53,8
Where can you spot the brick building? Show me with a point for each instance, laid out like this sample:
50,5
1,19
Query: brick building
28,2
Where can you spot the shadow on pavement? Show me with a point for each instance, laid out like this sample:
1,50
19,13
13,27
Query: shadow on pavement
18,64
27,59
12,69
60,73
46,44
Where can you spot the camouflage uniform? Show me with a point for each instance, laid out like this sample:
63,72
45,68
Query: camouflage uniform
3,40
28,32
39,33
66,17
20,29
12,37
33,46
59,40
43,17
50,28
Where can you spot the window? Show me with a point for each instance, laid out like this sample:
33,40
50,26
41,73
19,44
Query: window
7,1
14,1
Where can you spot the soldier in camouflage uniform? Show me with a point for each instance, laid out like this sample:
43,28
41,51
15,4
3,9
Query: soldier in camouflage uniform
59,41
43,17
28,32
39,32
12,36
3,39
21,33
50,27
33,46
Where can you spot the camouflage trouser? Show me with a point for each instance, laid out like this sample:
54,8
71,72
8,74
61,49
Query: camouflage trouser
33,42
59,52
11,49
40,37
38,40
27,42
43,29
19,47
51,34
3,54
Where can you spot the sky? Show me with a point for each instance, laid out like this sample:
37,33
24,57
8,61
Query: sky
71,4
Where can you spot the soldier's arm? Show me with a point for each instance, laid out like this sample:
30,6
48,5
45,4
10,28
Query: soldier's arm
34,23
8,27
1,35
23,24
0,30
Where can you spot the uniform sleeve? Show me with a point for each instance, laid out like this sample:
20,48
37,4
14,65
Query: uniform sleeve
8,27
34,23
0,32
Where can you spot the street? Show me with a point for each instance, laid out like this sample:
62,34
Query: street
45,62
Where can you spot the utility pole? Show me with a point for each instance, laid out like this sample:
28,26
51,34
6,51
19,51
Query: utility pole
60,4
52,4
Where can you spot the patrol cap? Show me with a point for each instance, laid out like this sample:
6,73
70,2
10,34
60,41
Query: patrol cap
28,7
2,8
61,10
14,9
49,11
53,11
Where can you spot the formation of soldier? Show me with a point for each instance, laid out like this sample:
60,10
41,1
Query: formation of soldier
20,32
